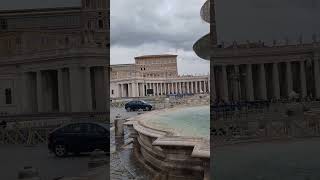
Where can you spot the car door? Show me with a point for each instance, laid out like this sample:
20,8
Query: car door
99,137
140,105
72,137
84,138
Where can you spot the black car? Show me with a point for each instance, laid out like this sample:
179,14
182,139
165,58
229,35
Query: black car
136,105
79,137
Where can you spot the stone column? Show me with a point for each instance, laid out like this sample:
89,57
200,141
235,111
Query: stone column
249,83
196,87
317,76
192,90
188,87
39,92
123,90
156,89
161,93
165,88
176,88
236,85
289,78
130,89
133,89
262,83
275,80
303,83
119,90
88,88
225,89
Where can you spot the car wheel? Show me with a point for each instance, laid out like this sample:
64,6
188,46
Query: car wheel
128,109
147,109
60,150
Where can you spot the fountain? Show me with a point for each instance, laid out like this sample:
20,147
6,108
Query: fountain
173,143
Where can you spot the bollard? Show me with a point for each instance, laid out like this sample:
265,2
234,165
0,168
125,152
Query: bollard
118,116
118,127
28,173
140,111
97,159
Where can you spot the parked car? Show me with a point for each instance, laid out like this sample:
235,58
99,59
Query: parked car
79,137
136,105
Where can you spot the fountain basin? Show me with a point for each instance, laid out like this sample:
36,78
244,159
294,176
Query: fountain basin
173,142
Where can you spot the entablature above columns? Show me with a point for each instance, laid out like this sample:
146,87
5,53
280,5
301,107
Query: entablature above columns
262,59
84,55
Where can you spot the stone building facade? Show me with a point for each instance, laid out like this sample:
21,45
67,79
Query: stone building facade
54,59
154,75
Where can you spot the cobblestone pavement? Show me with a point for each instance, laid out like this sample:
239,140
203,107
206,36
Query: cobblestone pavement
122,162
117,169
14,157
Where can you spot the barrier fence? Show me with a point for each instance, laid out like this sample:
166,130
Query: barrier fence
276,121
34,129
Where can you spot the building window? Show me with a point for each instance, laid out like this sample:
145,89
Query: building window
67,40
3,24
100,24
8,95
112,91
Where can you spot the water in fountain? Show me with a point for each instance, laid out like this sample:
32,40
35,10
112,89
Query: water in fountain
187,121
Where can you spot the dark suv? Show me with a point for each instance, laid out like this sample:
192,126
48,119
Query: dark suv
79,137
136,105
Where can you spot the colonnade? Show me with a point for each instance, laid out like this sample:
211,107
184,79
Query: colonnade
141,89
65,89
267,81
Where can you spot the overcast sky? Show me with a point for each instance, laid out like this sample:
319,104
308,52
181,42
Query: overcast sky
144,27
267,19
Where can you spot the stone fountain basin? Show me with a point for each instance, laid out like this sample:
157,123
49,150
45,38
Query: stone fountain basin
164,149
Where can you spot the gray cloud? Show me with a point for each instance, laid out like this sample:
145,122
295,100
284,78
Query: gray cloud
176,23
143,27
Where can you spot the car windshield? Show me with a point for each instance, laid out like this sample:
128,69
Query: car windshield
105,125
144,101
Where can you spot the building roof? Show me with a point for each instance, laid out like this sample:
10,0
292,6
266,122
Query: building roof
37,4
155,56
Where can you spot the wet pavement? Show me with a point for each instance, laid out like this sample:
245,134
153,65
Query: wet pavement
279,160
14,157
123,164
